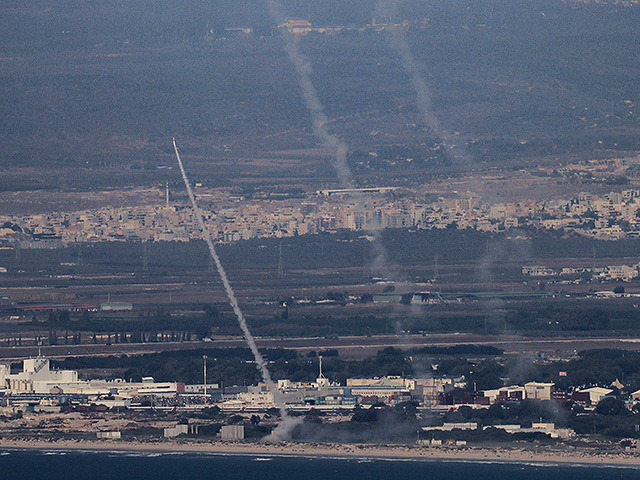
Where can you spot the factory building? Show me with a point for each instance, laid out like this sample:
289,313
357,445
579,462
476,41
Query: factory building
36,377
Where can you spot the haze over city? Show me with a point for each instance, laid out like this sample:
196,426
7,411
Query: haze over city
365,229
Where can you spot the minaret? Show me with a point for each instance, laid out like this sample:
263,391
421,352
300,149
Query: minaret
204,361
321,381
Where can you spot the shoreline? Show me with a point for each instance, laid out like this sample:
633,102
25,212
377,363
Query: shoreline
327,450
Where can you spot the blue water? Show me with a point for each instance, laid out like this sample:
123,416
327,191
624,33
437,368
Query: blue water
71,465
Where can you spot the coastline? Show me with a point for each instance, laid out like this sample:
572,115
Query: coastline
327,450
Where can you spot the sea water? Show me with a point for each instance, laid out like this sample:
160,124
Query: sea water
91,465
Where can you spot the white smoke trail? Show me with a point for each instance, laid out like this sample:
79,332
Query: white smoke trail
388,9
319,119
283,431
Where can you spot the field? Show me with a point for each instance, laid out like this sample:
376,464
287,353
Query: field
94,95
330,286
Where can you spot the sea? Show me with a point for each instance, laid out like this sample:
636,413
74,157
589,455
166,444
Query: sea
91,465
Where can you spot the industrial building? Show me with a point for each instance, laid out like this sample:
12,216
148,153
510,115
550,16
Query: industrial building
39,387
36,377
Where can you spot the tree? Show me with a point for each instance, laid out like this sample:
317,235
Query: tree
611,406
366,298
210,412
203,328
362,415
63,317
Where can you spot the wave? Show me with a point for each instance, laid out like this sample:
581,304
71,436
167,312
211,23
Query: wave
362,457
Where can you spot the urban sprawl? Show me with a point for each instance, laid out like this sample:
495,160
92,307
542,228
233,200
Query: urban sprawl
231,217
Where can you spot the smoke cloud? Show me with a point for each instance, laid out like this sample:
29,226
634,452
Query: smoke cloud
380,263
283,431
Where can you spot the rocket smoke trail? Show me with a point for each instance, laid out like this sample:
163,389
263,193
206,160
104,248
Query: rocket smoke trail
387,9
283,431
312,101
319,120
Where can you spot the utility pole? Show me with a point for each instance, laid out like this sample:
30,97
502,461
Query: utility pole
204,360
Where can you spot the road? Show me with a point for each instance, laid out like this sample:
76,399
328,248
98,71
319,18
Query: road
348,347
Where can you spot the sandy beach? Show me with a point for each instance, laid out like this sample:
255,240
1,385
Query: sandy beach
479,454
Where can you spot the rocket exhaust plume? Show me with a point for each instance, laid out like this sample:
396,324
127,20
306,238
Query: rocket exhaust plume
312,101
283,431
